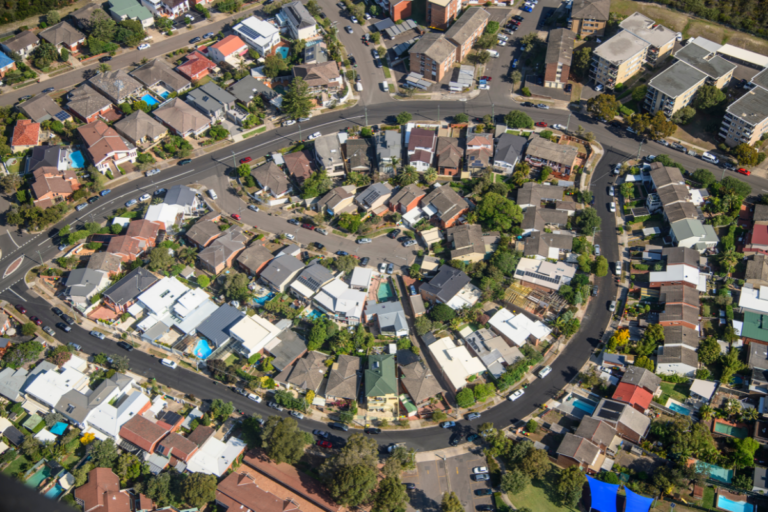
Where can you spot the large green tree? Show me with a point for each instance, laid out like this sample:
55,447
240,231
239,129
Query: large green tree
515,481
282,440
351,473
198,489
274,65
746,155
570,484
588,221
518,119
129,32
391,496
708,96
582,57
451,503
497,213
297,101
604,106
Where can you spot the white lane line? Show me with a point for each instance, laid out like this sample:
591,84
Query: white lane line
44,241
12,240
16,294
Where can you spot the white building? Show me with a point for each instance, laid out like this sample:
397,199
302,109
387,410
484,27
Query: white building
341,302
754,300
679,274
168,215
518,329
259,34
106,420
361,278
546,275
48,387
254,333
215,457
456,363
300,24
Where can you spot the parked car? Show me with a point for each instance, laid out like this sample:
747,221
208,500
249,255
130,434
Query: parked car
296,414
105,59
160,192
208,35
294,222
342,253
145,197
744,171
448,424
541,124
236,216
473,437
321,434
483,492
338,426
97,334
517,394
253,208
390,268
68,319
49,330
479,470
594,290
125,346
373,431
485,507
245,160
455,439
393,234
195,40
290,236
409,486
473,416
480,478
143,46
597,249
610,191
310,227
612,306
542,106
409,243
169,363
130,203
324,444
36,320
21,309
321,231
185,161
105,192
275,406
349,30
545,371
364,261
75,346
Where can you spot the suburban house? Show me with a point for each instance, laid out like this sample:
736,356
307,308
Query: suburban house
341,302
538,219
307,374
26,135
336,200
140,237
195,67
406,199
158,72
22,44
589,17
301,25
122,10
531,194
139,128
82,284
509,150
544,275
105,147
167,8
254,334
450,286
182,118
216,327
254,259
344,378
577,451
561,158
279,272
103,262
176,447
300,165
221,253
518,329
388,147
118,86
328,154
42,108
542,246
87,104
310,280
421,147
143,433
495,353
375,198
455,362
102,491
211,100
121,295
417,380
215,457
466,242
321,77
381,384
629,423
259,34
231,50
205,230
445,204
757,271
51,186
449,155
271,179
389,316
360,155
63,35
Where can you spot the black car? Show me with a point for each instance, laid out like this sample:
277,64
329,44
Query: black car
195,40
68,319
105,59
483,492
50,89
352,60
518,18
64,327
185,161
485,507
527,104
393,234
403,239
364,261
727,165
377,63
319,246
321,433
410,486
373,431
93,199
338,426
25,98
322,15
568,88
471,437
124,345
57,311
455,439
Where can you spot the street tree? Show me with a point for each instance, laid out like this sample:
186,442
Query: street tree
604,106
282,440
660,127
703,176
639,123
297,101
588,221
746,155
518,119
403,117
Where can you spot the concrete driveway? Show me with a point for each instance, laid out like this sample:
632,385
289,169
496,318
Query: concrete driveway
435,477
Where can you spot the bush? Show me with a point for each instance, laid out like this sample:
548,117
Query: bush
526,92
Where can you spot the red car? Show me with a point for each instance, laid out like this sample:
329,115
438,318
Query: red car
21,309
324,444
308,226
245,160
744,171
36,320
486,78
542,124
236,216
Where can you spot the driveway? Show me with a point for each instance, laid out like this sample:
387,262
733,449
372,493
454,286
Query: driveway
436,477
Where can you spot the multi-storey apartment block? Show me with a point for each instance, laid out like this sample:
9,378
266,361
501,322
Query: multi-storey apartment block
588,17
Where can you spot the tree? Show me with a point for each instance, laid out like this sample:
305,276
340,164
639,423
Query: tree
403,117
604,106
442,313
221,410
496,212
198,489
160,259
703,176
465,398
21,353
52,17
744,456
127,467
569,486
660,127
274,65
104,453
391,496
639,93
627,190
414,270
130,32
745,154
10,183
104,68
317,184
518,119
684,115
203,281
645,362
157,488
708,96
217,132
652,338
44,54
709,350
451,503
297,102
423,325
581,60
460,118
408,176
515,481
535,464
318,334
639,123
431,176
282,440
353,485
589,221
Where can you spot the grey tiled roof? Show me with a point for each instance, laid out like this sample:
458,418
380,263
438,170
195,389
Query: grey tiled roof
344,378
757,268
752,107
704,60
446,284
616,412
598,431
509,147
419,381
158,71
435,46
591,9
469,22
216,327
680,335
131,286
118,85
62,33
86,101
578,448
685,255
180,195
281,269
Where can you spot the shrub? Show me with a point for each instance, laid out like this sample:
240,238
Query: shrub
526,92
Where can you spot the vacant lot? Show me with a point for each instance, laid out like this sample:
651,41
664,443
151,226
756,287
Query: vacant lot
681,22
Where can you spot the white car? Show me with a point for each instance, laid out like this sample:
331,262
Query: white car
385,86
484,87
354,19
610,191
383,268
144,197
367,16
612,306
599,87
253,208
290,236
559,127
545,371
143,46
617,169
289,122
517,394
597,249
479,470
255,398
169,363
502,43
613,207
304,119
314,136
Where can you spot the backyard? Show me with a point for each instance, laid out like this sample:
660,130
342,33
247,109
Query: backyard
541,495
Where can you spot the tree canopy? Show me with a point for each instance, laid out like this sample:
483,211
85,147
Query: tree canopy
497,213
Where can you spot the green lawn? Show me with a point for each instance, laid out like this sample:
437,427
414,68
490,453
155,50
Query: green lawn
14,466
540,495
677,391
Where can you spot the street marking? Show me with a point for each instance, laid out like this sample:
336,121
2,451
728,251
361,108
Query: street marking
12,240
44,241
16,294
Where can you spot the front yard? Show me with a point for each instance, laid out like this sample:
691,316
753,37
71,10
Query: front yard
541,495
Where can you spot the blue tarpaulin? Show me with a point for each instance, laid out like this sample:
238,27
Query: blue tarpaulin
603,495
637,503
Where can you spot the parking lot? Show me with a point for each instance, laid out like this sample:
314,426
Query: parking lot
436,477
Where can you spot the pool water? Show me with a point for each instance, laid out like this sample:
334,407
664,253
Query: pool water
734,506
584,405
679,408
149,100
55,491
728,430
59,428
35,480
315,314
78,160
386,293
203,349
283,52
165,95
715,472
263,300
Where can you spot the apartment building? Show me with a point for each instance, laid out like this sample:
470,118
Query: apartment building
589,17
702,54
467,30
557,61
441,13
746,119
673,89
432,56
641,41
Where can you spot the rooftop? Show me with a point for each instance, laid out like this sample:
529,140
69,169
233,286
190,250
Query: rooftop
518,328
467,25
620,48
648,30
752,108
435,46
562,154
677,79
705,60
591,9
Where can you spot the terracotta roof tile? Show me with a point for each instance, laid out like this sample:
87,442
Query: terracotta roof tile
229,45
25,133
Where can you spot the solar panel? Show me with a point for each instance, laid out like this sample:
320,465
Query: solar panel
542,277
249,32
609,415
61,115
613,406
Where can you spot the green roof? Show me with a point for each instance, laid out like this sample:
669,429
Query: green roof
130,9
755,326
32,422
407,403
380,376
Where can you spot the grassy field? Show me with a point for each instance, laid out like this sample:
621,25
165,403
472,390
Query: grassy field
677,391
681,22
540,495
14,466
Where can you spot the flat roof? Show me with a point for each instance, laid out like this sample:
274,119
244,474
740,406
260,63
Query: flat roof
751,108
621,47
677,79
648,30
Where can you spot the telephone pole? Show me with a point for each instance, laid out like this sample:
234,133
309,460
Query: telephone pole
366,115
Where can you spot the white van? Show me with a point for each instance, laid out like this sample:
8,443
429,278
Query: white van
709,157
545,371
255,398
493,53
358,87
169,363
212,194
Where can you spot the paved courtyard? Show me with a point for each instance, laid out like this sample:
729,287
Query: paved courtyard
435,477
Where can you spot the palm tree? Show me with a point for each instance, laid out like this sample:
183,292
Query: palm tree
705,412
728,258
144,60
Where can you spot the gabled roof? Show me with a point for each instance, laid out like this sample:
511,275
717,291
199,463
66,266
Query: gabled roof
81,282
78,406
131,286
540,243
86,102
116,84
344,378
372,194
596,431
139,125
229,45
578,448
221,249
142,432
180,195
204,229
101,140
466,239
533,194
641,377
684,255
680,211
562,154
757,268
247,89
591,9
239,491
194,64
448,152
25,133
435,46
181,116
62,33
361,153
538,218
407,195
210,96
419,381
679,294
102,493
300,165
299,15
446,201
446,284
21,41
616,412
280,269
679,313
40,108
677,355
318,74
389,315
380,378
633,395
176,445
663,176
271,176
307,373
254,256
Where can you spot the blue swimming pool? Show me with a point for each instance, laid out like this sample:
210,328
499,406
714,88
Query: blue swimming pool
262,300
58,428
35,480
283,52
680,409
315,314
734,506
149,100
55,491
78,160
165,95
203,349
386,293
584,405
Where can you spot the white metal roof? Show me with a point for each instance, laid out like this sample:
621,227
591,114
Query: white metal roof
254,332
745,55
518,328
162,295
456,361
676,273
755,299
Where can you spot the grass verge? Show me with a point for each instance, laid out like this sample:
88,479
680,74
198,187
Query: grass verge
255,132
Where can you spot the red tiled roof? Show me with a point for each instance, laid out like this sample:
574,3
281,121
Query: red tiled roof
101,140
229,45
25,133
124,245
299,164
143,229
760,234
633,395
421,156
102,493
142,432
195,63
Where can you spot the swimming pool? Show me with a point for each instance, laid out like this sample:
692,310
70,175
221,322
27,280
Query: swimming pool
165,95
59,428
203,349
262,300
55,491
283,52
149,100
584,405
728,430
678,408
734,506
385,292
315,314
78,160
715,472
35,480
